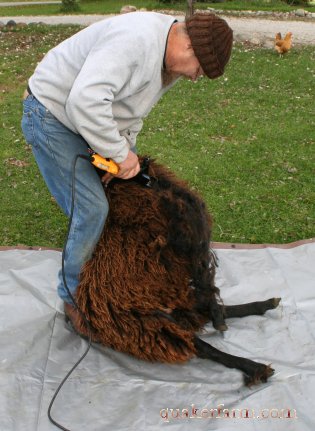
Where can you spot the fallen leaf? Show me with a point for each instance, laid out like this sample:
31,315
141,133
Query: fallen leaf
15,162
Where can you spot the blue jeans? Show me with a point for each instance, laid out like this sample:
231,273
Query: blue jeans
54,147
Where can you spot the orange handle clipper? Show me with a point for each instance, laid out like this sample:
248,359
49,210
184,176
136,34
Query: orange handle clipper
104,164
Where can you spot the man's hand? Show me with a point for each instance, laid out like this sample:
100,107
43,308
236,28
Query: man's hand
129,167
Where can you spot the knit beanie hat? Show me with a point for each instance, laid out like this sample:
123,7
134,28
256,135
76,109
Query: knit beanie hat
212,40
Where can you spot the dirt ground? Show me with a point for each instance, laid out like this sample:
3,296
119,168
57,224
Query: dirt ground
256,30
264,30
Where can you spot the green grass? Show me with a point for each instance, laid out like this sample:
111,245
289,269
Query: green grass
86,7
114,6
245,141
262,5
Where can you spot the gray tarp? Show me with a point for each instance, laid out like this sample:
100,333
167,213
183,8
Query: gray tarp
112,391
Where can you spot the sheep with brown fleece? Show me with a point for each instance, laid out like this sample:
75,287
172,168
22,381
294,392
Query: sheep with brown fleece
149,286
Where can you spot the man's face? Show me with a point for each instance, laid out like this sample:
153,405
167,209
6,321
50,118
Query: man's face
184,62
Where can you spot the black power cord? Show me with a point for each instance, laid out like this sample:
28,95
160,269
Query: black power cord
78,156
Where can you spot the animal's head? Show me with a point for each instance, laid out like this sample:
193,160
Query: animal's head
288,36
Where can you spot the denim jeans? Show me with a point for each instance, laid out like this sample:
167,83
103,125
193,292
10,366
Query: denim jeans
54,147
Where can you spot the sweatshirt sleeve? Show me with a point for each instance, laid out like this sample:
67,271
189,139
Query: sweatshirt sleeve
104,77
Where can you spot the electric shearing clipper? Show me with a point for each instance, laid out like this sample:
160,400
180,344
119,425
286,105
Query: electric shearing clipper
110,166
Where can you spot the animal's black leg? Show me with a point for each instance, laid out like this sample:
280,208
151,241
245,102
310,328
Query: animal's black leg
251,308
217,315
216,310
254,372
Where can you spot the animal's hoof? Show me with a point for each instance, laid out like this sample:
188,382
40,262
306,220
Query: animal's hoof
223,328
220,327
276,302
261,375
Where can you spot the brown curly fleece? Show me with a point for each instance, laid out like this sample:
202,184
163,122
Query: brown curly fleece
149,285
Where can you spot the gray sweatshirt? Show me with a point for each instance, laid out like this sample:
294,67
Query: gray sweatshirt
101,82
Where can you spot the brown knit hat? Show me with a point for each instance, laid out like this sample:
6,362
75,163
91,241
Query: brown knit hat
212,40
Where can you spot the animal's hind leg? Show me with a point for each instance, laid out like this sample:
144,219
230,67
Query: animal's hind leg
251,308
254,372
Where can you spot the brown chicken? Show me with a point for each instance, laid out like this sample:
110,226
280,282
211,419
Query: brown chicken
283,45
